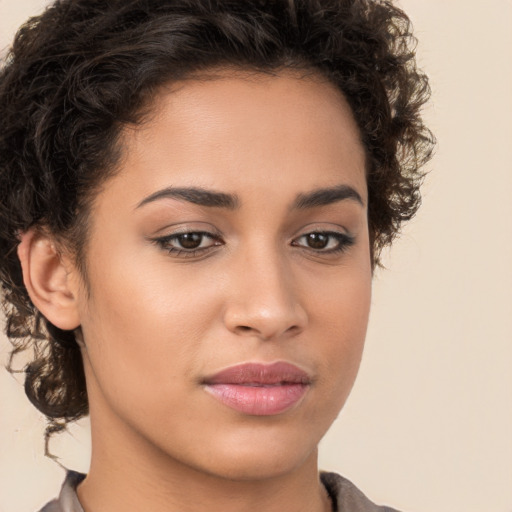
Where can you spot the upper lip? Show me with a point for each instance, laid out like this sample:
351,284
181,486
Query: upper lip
260,374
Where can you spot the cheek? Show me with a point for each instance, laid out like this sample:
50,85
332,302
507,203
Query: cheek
143,329
340,318
340,300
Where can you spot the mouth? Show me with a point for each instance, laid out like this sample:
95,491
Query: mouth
259,389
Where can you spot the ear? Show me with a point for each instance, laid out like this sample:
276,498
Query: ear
50,279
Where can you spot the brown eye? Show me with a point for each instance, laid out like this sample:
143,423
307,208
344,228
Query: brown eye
188,244
317,240
190,240
325,242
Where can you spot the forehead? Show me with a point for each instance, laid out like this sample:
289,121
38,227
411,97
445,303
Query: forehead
234,129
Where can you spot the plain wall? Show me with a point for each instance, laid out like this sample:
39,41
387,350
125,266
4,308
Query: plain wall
429,423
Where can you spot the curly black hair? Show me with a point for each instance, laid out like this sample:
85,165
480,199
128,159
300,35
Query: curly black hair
85,68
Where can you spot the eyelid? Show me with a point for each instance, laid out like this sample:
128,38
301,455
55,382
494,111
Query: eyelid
184,227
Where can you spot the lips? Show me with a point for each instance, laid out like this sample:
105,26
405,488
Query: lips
259,389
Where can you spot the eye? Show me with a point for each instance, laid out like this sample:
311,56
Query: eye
188,243
324,241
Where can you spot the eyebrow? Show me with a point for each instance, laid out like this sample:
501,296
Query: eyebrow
326,196
195,195
212,199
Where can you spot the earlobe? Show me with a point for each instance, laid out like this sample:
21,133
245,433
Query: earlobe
47,279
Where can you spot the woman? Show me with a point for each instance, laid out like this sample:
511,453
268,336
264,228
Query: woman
194,198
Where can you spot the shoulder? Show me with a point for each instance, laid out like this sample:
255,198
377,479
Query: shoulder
346,497
53,506
67,500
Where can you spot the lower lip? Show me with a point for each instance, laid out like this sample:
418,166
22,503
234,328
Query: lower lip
258,400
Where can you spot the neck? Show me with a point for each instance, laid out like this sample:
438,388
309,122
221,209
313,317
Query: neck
129,474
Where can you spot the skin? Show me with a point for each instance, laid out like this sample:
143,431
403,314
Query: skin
154,323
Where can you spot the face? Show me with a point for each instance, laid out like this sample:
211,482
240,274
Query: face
229,276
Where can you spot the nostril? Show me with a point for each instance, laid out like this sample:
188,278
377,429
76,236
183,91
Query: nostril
294,329
247,330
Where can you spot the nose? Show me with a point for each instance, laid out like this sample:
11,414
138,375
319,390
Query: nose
263,299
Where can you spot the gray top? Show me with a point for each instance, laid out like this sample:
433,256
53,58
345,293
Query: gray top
345,496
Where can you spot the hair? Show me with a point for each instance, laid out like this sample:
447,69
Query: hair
84,69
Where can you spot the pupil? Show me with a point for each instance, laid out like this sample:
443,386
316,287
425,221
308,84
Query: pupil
318,240
190,240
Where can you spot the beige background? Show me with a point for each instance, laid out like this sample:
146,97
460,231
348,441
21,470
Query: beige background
429,424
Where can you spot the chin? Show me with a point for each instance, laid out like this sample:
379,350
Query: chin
260,456
260,465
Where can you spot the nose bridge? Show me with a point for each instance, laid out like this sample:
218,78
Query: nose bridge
263,299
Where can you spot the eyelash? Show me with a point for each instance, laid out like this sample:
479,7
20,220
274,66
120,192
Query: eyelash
165,241
343,243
